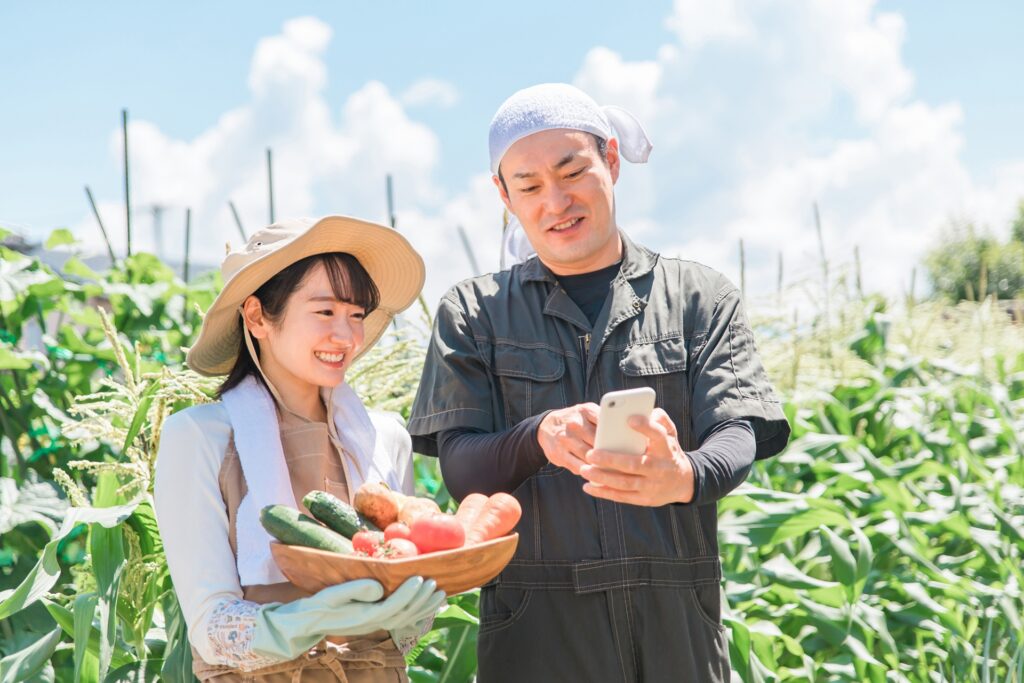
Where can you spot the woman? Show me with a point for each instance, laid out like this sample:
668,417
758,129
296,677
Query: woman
301,301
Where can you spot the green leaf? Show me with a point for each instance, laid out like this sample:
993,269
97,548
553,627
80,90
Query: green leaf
26,663
770,528
143,523
780,569
66,620
141,413
84,609
865,560
453,616
137,672
106,546
461,664
34,501
13,360
860,650
18,274
42,577
59,238
177,664
77,268
844,567
739,646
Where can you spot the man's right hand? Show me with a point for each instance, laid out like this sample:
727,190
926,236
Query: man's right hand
566,435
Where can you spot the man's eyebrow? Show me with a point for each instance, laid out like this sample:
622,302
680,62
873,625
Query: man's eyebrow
567,159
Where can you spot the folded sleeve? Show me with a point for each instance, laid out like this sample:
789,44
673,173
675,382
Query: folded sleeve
455,390
728,380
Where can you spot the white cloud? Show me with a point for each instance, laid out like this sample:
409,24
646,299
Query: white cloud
757,110
762,109
698,23
324,161
431,91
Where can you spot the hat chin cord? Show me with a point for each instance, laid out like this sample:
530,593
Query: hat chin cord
256,360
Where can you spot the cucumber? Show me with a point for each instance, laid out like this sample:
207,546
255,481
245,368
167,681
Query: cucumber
336,514
290,526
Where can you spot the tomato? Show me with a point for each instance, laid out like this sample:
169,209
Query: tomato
367,542
398,547
397,530
437,532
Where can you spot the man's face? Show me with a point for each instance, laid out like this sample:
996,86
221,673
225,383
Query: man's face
560,189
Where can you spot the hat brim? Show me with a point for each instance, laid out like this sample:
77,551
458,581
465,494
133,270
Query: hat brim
391,262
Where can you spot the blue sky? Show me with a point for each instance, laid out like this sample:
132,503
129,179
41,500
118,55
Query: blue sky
894,116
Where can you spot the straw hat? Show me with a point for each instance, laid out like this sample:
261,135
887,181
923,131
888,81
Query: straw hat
390,260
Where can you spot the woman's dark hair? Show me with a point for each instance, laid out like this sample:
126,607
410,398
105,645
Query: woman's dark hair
349,281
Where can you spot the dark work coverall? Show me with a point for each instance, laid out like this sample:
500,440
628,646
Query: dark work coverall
599,591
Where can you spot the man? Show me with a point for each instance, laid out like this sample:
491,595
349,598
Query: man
616,576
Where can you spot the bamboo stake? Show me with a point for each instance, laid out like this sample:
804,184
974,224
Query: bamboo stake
188,242
856,262
96,213
127,195
743,271
824,272
270,183
390,196
390,191
778,283
238,221
469,250
983,281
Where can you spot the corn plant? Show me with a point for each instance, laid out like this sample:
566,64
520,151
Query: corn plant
886,543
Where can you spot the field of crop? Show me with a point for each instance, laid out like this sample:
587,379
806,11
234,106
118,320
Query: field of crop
885,544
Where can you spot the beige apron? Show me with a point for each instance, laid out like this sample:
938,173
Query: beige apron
311,451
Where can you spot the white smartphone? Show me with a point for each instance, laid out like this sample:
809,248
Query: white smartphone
613,430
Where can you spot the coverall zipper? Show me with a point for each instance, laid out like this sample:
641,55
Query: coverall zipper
584,346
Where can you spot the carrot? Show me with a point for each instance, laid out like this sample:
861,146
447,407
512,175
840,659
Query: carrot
469,509
499,516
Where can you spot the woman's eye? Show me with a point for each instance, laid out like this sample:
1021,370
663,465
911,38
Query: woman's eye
359,316
327,312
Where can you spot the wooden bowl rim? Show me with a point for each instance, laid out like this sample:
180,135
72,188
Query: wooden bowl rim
385,562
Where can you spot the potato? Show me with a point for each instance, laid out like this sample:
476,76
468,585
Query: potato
378,503
414,508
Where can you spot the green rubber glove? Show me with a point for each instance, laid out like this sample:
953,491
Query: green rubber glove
285,631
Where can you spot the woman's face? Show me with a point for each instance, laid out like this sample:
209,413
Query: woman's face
314,342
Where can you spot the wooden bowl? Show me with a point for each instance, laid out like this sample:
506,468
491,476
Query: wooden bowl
454,571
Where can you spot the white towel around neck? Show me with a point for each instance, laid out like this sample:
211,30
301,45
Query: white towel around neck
253,415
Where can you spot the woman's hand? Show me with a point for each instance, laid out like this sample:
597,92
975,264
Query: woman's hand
348,609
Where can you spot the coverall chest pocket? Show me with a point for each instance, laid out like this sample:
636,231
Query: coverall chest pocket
531,380
661,365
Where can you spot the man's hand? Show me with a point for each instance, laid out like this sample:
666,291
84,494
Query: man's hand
566,435
660,476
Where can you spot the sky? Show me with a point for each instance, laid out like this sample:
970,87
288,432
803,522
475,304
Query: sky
897,118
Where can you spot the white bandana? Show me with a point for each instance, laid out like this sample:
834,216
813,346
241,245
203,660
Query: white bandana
559,105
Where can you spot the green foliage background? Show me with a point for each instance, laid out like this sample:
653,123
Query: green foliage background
886,543
971,265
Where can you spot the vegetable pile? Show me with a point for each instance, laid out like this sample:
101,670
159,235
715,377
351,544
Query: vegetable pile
390,525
